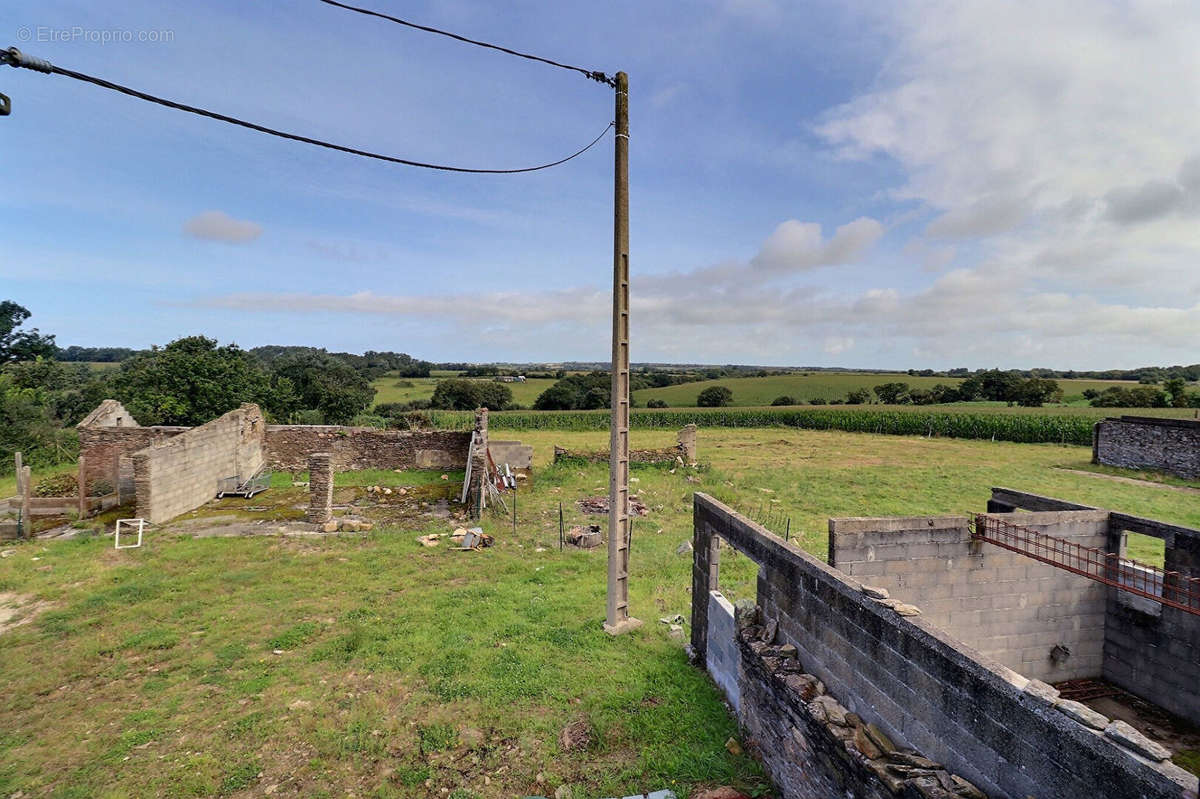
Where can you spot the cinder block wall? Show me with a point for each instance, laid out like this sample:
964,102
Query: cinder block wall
182,473
1008,606
921,685
723,658
1139,442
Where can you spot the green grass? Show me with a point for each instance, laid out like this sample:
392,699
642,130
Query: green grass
422,388
153,673
8,482
757,391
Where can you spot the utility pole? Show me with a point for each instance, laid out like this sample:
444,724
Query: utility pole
617,619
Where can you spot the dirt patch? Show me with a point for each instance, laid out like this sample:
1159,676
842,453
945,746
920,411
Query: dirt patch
18,609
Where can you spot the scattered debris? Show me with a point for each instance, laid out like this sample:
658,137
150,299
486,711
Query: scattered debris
733,747
676,619
684,549
599,505
430,540
8,553
724,792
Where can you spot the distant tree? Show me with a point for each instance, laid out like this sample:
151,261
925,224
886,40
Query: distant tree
493,396
559,397
1176,388
1121,397
21,345
595,398
656,403
714,397
323,382
921,396
943,393
785,399
192,381
892,393
999,386
858,396
1036,392
459,394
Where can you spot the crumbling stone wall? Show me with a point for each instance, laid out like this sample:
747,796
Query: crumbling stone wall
1141,442
183,472
922,688
108,436
1007,605
320,488
683,452
289,446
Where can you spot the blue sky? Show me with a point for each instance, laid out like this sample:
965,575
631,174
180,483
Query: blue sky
910,184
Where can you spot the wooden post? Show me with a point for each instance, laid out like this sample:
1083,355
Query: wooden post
617,618
26,482
81,483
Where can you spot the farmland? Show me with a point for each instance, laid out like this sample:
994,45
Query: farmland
757,391
390,388
199,666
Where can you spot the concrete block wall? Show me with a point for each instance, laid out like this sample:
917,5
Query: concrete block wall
1139,442
723,657
1008,606
922,686
182,472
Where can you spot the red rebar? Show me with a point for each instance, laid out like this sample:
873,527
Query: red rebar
1169,588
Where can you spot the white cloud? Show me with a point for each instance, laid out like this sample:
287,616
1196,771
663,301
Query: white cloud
797,245
220,226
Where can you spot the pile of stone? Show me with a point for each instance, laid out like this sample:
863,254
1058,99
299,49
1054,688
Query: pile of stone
385,491
903,772
599,506
585,537
347,525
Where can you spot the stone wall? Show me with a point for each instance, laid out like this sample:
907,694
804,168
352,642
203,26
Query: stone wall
183,472
1008,606
107,452
288,447
921,687
684,451
1140,442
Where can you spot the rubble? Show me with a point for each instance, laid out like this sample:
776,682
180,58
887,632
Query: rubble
599,505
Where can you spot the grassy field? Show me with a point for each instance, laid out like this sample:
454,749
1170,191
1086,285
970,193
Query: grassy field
757,391
369,665
421,388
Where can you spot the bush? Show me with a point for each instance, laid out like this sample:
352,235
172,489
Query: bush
458,394
714,397
369,420
656,403
308,416
814,401
784,399
859,396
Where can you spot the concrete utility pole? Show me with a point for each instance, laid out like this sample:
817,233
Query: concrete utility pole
617,618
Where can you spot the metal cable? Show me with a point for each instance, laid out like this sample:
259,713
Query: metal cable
593,74
16,58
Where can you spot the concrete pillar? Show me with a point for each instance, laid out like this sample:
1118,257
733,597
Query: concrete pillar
320,487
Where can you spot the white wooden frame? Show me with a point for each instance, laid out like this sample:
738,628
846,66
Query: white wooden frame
141,526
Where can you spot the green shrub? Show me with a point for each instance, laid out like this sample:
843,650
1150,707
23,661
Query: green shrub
656,403
784,399
714,397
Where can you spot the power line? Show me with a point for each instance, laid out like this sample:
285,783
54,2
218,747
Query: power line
593,74
16,58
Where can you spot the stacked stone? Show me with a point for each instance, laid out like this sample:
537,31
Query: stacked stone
478,466
320,488
812,745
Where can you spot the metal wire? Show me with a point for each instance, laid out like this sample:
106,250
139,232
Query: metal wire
591,74
18,59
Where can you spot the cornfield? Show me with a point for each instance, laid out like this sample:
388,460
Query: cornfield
1032,428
